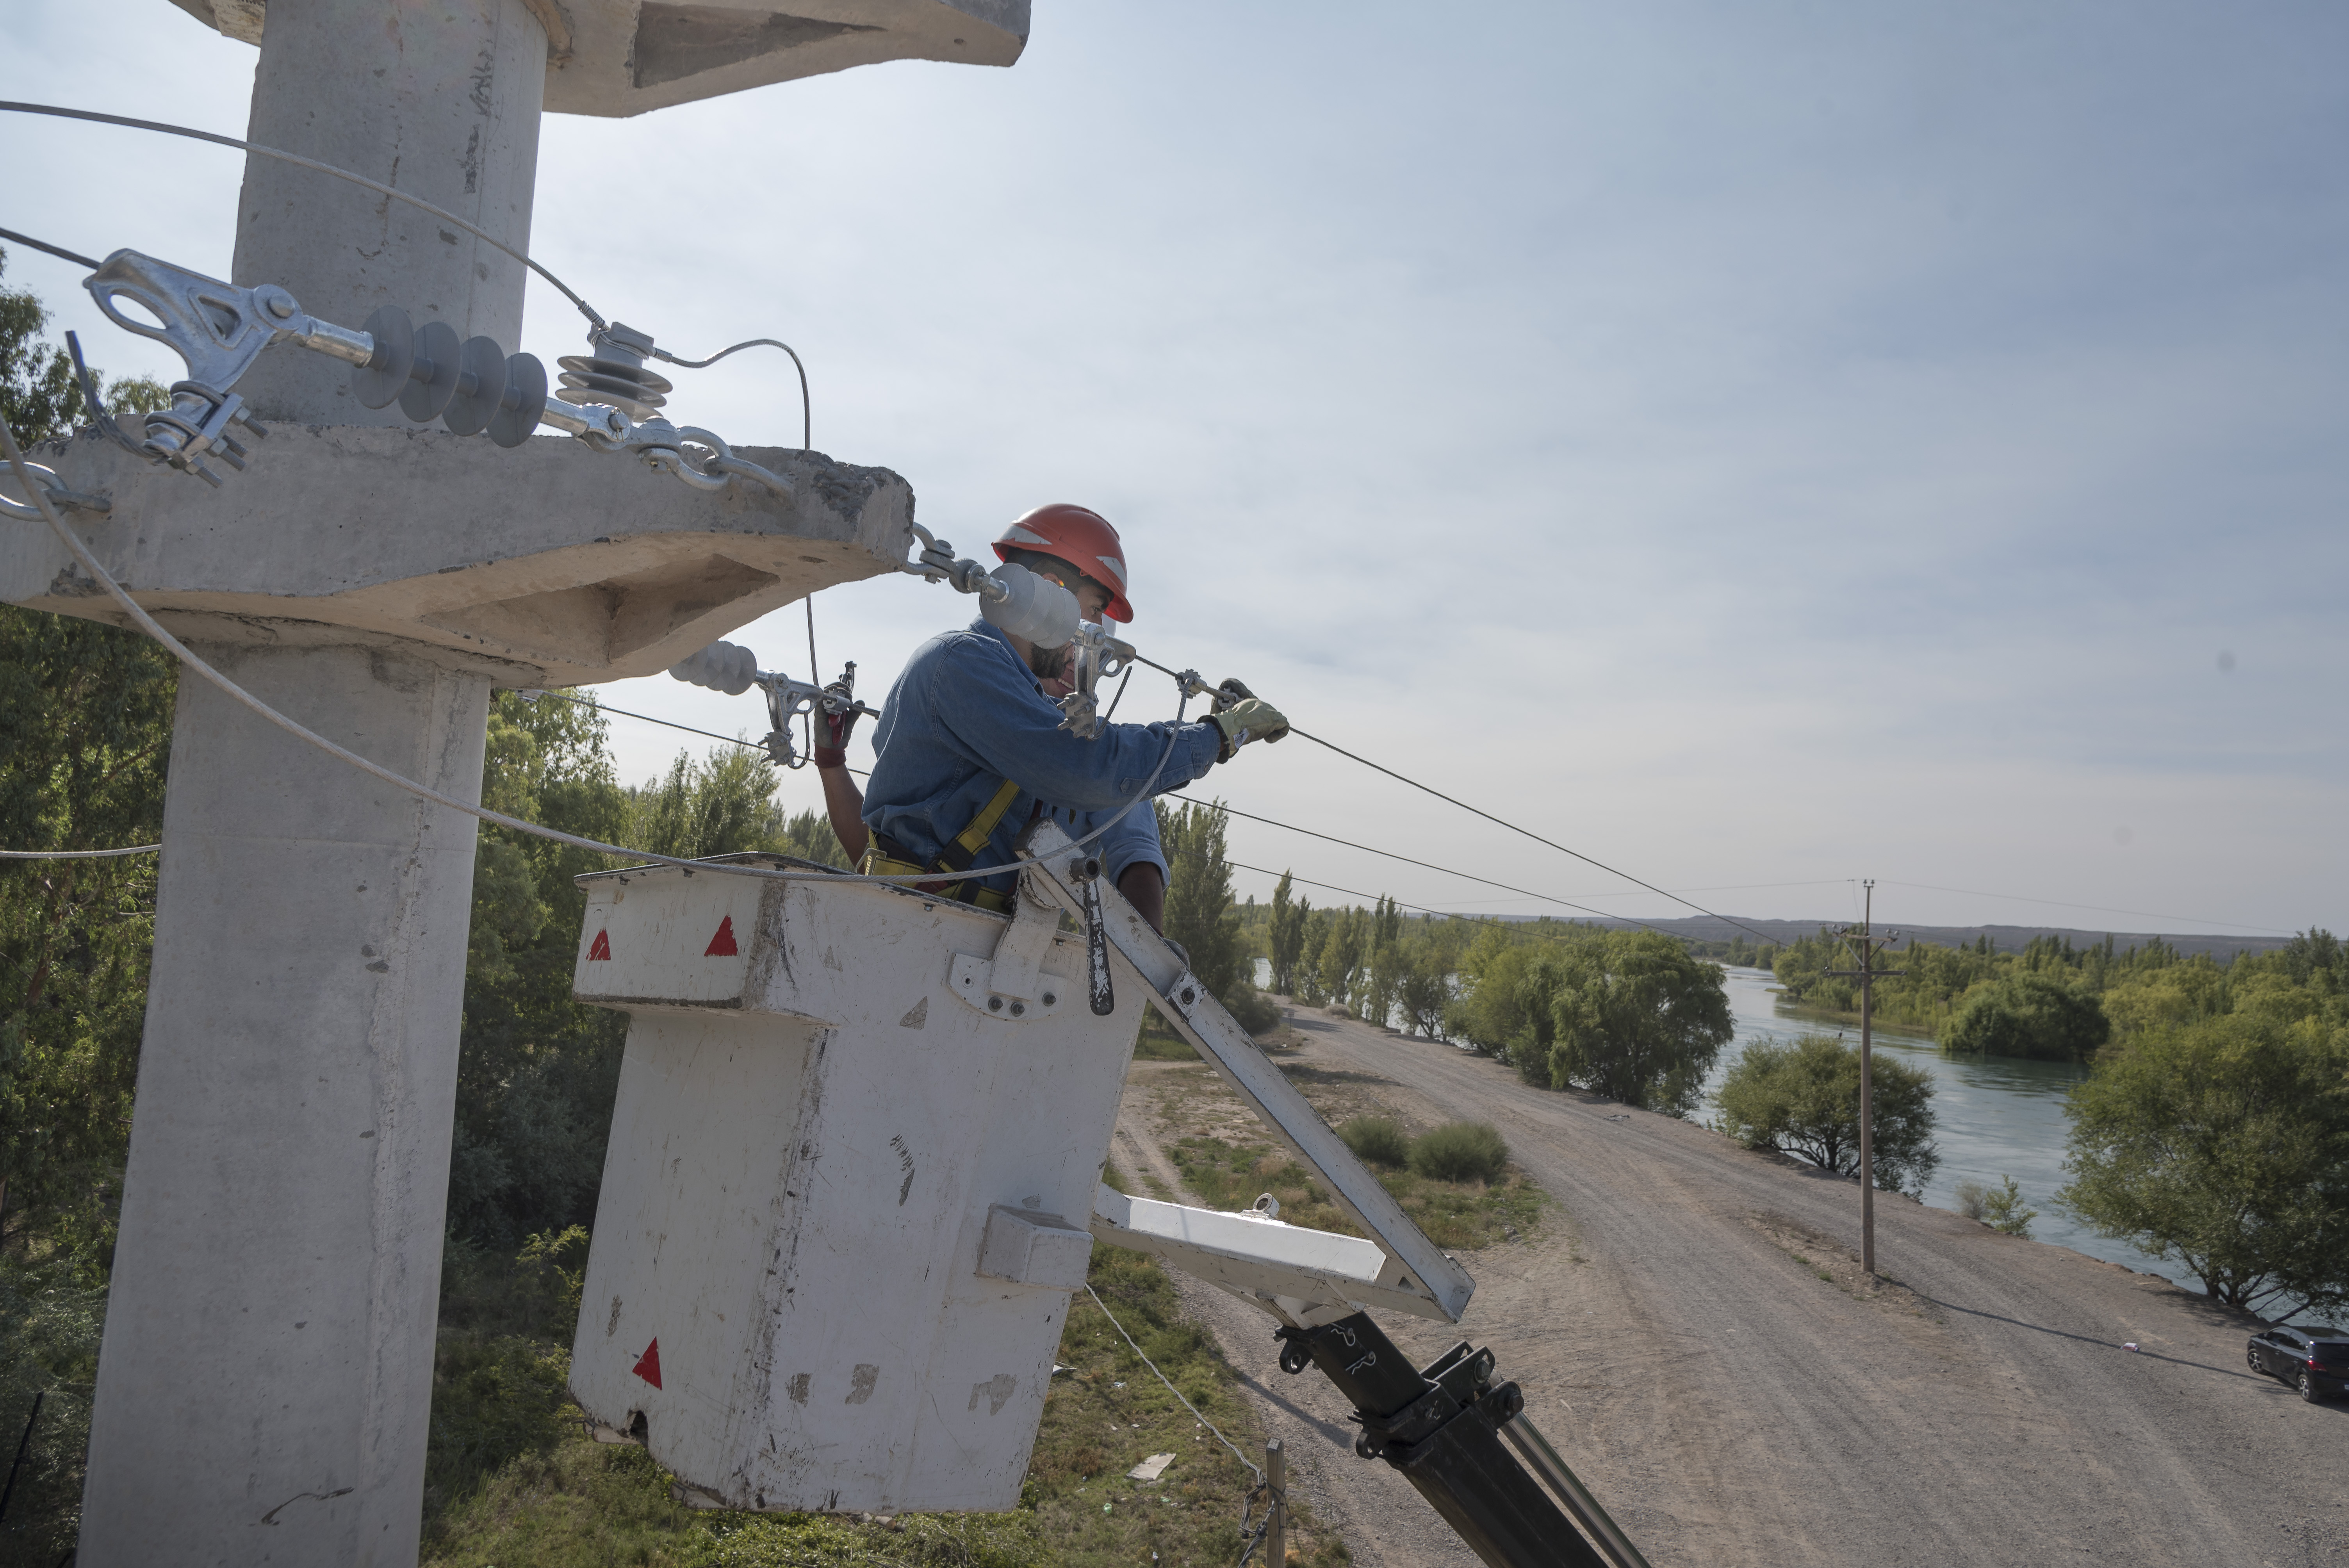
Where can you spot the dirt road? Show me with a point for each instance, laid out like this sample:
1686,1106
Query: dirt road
1693,1331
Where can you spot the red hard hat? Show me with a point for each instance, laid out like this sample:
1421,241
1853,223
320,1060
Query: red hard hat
1079,536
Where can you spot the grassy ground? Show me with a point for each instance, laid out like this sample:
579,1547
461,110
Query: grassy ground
1456,1215
515,1481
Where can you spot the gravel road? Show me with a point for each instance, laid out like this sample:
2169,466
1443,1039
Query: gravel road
1693,1331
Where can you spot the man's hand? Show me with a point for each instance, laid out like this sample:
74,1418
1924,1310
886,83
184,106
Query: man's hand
832,730
1250,718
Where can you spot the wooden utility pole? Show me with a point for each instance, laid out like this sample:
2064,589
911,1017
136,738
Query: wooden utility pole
1865,942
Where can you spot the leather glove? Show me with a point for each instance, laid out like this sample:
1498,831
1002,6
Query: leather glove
831,733
1250,718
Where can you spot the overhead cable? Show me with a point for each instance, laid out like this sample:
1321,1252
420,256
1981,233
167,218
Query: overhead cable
77,854
1527,832
1500,822
807,418
162,127
1406,859
76,257
148,624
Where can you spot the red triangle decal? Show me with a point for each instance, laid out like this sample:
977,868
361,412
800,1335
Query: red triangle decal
649,1365
723,944
601,948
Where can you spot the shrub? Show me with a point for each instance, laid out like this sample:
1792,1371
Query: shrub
1377,1139
1461,1151
2003,1211
1973,1200
1256,1012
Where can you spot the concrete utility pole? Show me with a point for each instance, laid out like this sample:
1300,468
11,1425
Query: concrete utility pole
264,1384
1866,945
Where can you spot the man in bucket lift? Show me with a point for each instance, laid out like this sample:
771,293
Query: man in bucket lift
971,747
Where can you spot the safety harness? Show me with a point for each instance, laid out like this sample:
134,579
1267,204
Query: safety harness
885,856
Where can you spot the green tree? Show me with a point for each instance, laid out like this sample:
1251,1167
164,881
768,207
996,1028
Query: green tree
536,1072
2028,1014
1340,969
38,394
84,740
2223,1144
1314,937
1803,1099
1287,936
1637,1019
1504,1004
1426,989
1199,893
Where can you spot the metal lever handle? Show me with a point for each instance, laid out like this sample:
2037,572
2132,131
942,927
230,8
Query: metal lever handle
1086,871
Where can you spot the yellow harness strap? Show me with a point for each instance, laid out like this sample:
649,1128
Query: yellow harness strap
956,855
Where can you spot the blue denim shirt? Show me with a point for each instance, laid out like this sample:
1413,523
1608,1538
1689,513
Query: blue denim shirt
967,714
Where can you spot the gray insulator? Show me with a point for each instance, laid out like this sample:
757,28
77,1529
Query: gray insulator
615,373
1032,607
721,666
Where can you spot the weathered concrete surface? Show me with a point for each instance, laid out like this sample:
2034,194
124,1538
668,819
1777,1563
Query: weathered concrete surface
547,565
625,56
441,102
265,1382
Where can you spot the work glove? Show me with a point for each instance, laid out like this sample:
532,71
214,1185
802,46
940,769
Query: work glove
833,729
1249,719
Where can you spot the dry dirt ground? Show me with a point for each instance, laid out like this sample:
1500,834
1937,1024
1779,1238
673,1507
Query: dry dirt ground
1693,1332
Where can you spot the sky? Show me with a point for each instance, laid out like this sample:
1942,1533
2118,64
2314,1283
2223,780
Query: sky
1757,448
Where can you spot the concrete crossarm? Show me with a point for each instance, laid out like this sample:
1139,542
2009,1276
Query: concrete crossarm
1415,1266
625,57
547,564
1302,1276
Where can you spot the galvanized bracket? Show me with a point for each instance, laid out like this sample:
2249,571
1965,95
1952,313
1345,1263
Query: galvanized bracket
1419,1273
1011,983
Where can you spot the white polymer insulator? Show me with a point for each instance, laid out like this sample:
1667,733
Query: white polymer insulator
1035,608
723,666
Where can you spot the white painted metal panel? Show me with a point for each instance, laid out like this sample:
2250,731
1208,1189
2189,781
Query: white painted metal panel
809,1139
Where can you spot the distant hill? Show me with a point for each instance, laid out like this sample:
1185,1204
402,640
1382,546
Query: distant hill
2003,938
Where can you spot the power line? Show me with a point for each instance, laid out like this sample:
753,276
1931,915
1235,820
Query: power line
162,127
1406,859
1471,876
1349,893
1527,832
59,251
77,854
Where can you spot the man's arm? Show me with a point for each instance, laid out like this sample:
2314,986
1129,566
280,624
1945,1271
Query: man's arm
991,705
843,803
1146,891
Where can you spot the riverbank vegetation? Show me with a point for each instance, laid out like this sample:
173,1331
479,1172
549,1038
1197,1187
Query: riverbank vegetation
2222,1142
2052,1001
1802,1098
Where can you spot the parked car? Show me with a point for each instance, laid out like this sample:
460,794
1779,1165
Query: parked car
2316,1364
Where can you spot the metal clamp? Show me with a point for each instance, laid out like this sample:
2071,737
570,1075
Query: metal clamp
473,386
1011,983
46,478
733,669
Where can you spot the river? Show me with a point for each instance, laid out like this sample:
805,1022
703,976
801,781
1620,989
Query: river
1993,1117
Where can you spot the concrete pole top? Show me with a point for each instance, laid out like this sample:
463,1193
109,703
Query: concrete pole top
620,58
